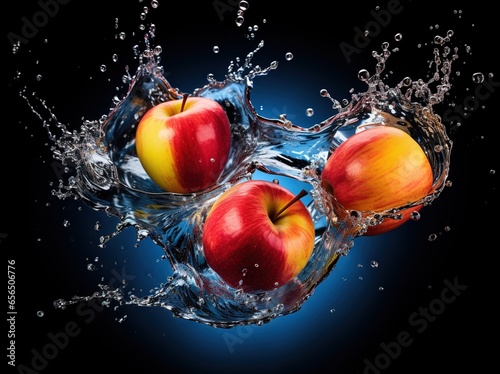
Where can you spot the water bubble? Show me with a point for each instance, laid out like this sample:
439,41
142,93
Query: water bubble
398,37
289,56
492,171
363,75
91,267
66,223
102,68
381,288
244,5
154,4
332,310
40,313
39,77
415,216
239,21
121,36
216,49
374,264
432,237
478,77
309,112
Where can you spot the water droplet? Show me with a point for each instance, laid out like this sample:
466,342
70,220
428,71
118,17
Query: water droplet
363,75
289,56
239,21
415,215
91,267
243,5
122,319
478,77
212,160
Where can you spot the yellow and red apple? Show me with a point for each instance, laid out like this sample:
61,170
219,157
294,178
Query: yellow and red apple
377,169
184,144
258,235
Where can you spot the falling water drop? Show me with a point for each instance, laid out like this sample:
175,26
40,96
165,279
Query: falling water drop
478,77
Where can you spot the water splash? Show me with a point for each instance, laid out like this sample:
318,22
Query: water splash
108,176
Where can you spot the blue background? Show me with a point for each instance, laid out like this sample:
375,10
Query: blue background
345,323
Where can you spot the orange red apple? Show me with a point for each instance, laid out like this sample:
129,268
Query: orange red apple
258,235
377,169
183,145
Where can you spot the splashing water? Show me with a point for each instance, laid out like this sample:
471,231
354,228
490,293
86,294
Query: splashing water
109,177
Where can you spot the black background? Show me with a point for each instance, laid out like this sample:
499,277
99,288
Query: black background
67,51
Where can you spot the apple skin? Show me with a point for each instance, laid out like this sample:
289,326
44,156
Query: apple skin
377,169
184,151
246,248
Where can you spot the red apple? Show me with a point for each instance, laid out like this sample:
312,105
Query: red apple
258,236
378,169
184,144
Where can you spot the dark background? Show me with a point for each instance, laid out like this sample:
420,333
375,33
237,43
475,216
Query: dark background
347,321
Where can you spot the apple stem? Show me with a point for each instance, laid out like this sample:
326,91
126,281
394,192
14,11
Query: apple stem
184,99
297,197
